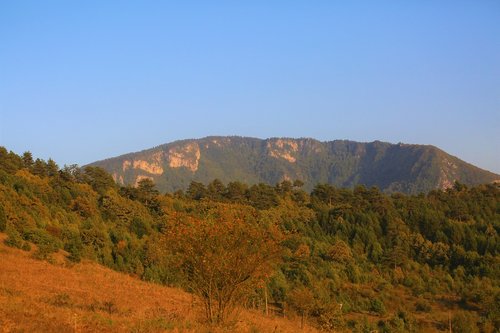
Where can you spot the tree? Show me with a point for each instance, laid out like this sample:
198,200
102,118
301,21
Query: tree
284,187
3,220
216,190
303,300
297,183
222,256
99,179
28,159
324,193
262,196
147,187
9,161
196,191
40,168
236,192
340,252
71,173
52,168
148,195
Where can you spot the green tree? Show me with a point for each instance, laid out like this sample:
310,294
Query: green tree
262,196
28,160
99,179
40,168
196,190
216,190
52,168
236,192
148,195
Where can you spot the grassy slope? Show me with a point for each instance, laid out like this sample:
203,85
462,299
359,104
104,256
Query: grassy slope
37,296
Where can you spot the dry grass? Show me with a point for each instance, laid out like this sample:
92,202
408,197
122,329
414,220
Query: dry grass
36,296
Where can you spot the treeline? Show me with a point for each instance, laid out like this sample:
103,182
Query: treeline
336,257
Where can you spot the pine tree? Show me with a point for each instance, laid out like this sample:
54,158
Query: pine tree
28,160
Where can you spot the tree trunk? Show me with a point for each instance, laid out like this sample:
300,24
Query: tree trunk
265,299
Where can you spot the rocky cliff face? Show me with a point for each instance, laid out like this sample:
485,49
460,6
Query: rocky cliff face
391,167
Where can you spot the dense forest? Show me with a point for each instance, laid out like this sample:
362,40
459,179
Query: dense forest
343,259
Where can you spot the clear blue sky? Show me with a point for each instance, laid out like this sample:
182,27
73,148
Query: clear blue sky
82,81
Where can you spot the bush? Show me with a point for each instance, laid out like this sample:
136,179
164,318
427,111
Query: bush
61,300
45,241
74,246
422,305
464,322
330,317
376,305
14,239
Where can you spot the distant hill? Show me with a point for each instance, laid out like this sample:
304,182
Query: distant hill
400,167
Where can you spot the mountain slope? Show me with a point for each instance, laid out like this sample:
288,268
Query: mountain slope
391,167
36,296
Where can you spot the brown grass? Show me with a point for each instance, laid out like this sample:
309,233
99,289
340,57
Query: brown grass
36,296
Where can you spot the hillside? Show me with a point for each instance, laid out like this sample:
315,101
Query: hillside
345,260
391,167
36,296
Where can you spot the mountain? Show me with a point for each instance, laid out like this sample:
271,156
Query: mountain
399,167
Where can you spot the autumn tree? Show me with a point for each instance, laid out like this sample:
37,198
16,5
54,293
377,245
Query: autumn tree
222,255
302,299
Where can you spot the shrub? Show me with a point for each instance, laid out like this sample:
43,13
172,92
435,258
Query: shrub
14,239
464,322
61,300
376,305
422,305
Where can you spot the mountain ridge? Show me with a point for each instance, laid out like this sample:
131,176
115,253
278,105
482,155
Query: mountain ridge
402,167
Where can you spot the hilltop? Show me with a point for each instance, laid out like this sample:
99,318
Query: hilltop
400,167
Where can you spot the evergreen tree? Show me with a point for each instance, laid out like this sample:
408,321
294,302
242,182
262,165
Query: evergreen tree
196,191
28,160
52,168
216,190
40,168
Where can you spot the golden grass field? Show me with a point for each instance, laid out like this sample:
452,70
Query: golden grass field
37,296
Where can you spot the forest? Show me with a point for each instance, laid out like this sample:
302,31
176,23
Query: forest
343,259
